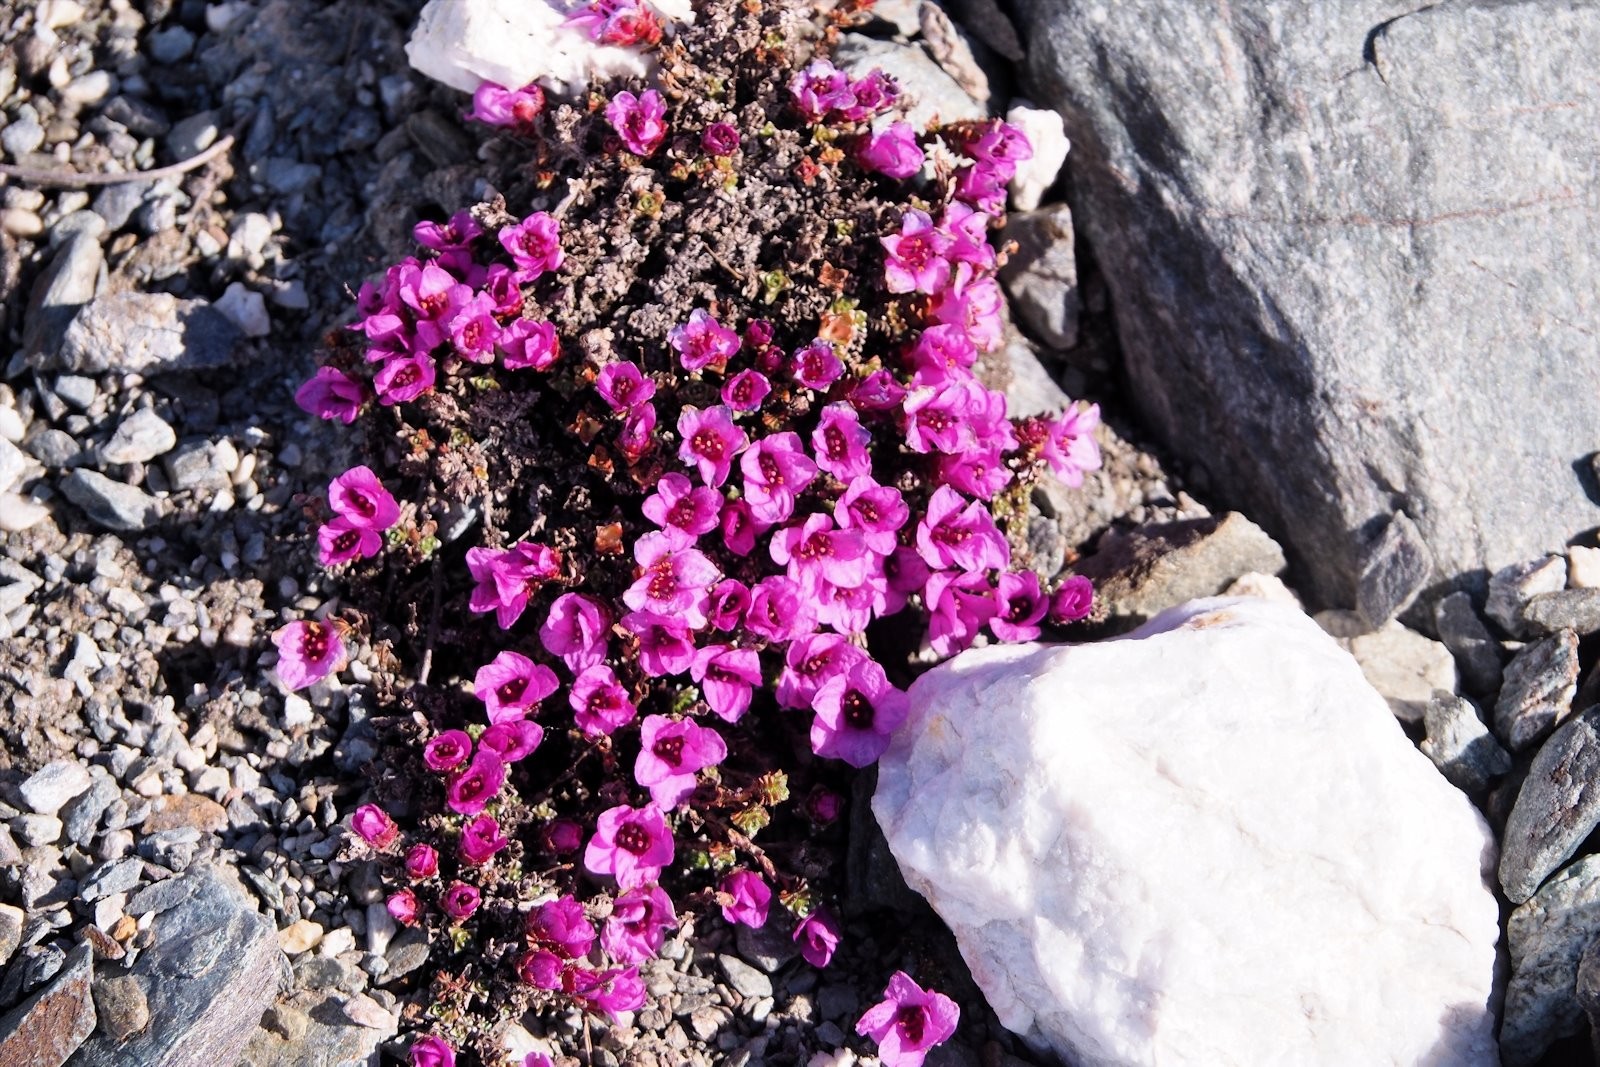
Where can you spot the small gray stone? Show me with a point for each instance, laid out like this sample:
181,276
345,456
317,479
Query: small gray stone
246,309
77,390
139,438
82,221
193,135
122,1007
11,919
162,896
1577,610
12,465
116,203
1406,667
1460,744
170,44
1394,569
765,946
118,876
65,286
111,504
141,118
1558,806
81,815
1510,589
146,333
406,953
1476,651
1537,694
1547,937
748,981
56,449
22,136
1041,277
193,466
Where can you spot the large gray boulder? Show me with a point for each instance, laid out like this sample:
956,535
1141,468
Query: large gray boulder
1350,250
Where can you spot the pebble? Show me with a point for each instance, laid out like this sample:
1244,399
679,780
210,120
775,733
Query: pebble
248,235
56,449
13,464
298,937
139,438
1547,937
1556,808
1403,665
77,390
1577,610
117,877
121,1006
1460,745
193,135
110,504
20,222
246,309
747,980
11,919
18,513
1540,682
49,788
90,89
35,830
169,45
1463,632
381,928
1512,587
23,135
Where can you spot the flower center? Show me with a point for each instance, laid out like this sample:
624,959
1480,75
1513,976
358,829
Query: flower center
347,541
314,643
633,838
1018,608
682,513
916,252
707,444
670,749
603,700
407,375
361,503
622,389
947,534
770,470
910,1022
512,690
833,440
817,546
857,710
663,582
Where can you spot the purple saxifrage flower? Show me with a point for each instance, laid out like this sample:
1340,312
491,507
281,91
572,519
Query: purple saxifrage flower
962,534
640,121
710,441
857,710
776,471
432,1051
908,1022
612,991
507,577
746,390
404,378
561,926
308,651
819,552
818,937
373,825
1074,600
916,260
727,677
599,703
576,630
460,901
779,609
623,386
341,540
702,341
403,907
1021,603
480,840
817,365
809,662
670,754
893,153
679,505
513,740
730,599
447,751
665,647
878,511
495,105
529,345
672,582
471,790
422,861
631,844
360,498
638,924
512,684
747,898
958,605
331,394
542,969
534,245
840,443
720,139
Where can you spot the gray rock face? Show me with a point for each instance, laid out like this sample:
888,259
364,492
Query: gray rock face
1512,587
140,437
1539,685
1547,936
65,286
149,333
213,968
51,1024
1558,807
1306,213
309,1029
1041,277
49,788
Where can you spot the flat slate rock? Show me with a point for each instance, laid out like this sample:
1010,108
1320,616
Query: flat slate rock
211,971
1558,807
1537,694
1460,744
145,333
51,1024
1577,610
1394,569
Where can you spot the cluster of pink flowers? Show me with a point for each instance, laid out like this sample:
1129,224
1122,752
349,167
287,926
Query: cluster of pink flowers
363,509
627,23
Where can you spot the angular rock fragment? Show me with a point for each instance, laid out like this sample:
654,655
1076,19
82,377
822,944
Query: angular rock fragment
48,1027
1477,653
1547,937
1460,744
1558,806
145,333
1537,693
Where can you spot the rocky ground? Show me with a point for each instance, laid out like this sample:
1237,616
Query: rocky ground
163,801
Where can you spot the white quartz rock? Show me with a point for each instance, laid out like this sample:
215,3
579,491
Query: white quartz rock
464,43
1206,843
1047,135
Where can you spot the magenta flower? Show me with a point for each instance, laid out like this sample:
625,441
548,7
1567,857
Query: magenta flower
1071,448
983,185
640,121
739,527
823,805
511,684
613,991
638,924
1001,143
779,610
434,295
447,751
460,901
958,606
747,898
534,245
908,1022
665,648
358,496
561,926
702,341
727,677
819,89
874,92
857,710
308,652
373,825
331,394
976,305
817,936
1021,605
474,331
514,740
459,232
480,840
746,390
710,441
541,969
817,366
730,599
906,574
341,540
677,504
506,577
720,139
402,907
576,629
962,534
878,511
776,471
840,443
968,230
623,386
672,582
599,703
916,262
403,378
848,609
878,391
422,861
638,434
531,345
431,1051
809,662
819,552
939,414
940,352
671,752
893,153
618,22
471,790
632,844
980,473
537,1059
495,105
561,837
1073,601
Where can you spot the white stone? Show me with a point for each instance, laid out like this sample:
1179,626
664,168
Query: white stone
1048,136
51,786
13,463
246,308
464,43
1583,567
1264,586
12,428
296,711
18,513
1404,666
1206,843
